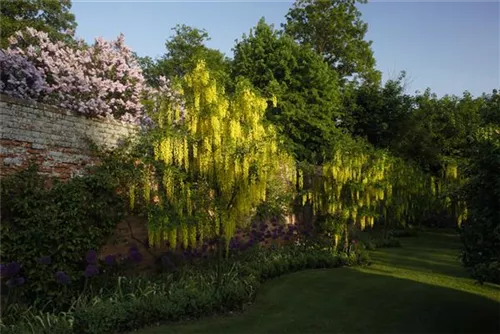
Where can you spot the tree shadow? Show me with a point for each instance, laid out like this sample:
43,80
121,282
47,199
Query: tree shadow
347,300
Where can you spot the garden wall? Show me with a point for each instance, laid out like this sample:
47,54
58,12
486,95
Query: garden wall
56,139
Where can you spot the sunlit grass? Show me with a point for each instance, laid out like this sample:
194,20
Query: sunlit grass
419,288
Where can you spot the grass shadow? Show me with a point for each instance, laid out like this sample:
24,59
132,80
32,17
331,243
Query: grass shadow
350,301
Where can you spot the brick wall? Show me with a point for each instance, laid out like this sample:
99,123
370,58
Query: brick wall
56,139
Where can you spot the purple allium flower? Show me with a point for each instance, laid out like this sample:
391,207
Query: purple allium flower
110,260
20,281
91,257
134,254
167,262
13,269
61,277
3,270
45,260
91,270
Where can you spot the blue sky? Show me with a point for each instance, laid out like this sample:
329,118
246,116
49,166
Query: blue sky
447,46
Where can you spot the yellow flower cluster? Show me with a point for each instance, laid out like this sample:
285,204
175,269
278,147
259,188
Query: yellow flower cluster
223,142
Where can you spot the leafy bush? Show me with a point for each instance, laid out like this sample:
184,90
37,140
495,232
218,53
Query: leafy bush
103,79
387,243
481,231
404,233
199,290
374,240
46,232
20,78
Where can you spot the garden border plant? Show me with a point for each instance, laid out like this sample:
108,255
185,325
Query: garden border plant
193,294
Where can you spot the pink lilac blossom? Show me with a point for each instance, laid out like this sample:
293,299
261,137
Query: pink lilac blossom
102,80
19,77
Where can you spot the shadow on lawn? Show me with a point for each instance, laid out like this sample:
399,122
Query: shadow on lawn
419,288
347,300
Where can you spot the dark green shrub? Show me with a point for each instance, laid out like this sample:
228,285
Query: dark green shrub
46,230
480,233
405,233
198,294
387,243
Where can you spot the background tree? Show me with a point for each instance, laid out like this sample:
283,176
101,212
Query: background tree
51,16
439,130
379,113
481,232
184,49
334,29
305,86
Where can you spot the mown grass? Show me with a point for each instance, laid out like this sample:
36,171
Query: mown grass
419,288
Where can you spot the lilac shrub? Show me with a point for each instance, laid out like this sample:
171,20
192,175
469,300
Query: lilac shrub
19,77
101,80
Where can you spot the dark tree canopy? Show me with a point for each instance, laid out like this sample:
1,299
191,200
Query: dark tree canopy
305,86
51,16
334,29
379,112
184,48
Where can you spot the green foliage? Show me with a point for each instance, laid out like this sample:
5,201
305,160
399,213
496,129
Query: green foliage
51,16
379,113
481,232
439,130
279,197
63,222
184,49
198,291
306,89
335,31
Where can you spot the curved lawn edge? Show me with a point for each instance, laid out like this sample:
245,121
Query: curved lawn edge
389,296
198,296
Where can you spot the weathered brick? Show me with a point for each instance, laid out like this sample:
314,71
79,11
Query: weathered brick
52,137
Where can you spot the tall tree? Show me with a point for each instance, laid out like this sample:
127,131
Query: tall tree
379,112
184,49
51,16
307,91
334,29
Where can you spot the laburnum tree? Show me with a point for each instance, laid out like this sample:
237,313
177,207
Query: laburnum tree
307,89
50,16
210,166
335,30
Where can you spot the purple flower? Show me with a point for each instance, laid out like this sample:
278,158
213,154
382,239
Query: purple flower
134,254
91,257
45,260
109,260
12,269
167,262
61,277
91,270
20,281
17,281
3,270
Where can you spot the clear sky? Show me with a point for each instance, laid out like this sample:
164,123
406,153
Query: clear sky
447,46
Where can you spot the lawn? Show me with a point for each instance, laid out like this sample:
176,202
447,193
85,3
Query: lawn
419,288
